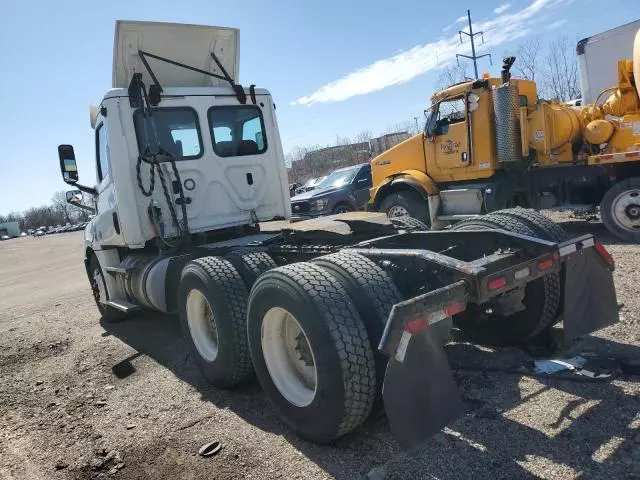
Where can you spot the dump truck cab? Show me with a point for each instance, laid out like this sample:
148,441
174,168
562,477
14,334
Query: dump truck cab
492,143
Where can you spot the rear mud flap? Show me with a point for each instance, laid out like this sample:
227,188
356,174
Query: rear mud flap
589,297
419,391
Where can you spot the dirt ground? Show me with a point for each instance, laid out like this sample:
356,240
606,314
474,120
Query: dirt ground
81,398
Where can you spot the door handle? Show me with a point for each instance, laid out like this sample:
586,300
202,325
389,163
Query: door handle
187,200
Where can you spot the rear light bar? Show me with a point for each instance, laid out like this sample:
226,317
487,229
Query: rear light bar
448,310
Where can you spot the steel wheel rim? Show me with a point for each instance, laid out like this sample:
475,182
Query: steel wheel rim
98,287
398,211
625,210
287,358
202,325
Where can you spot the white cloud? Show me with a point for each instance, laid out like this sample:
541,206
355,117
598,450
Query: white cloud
557,24
406,65
502,8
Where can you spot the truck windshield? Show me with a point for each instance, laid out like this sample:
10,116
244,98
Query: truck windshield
175,129
338,178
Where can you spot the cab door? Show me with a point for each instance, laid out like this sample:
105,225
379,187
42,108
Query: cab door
106,224
451,136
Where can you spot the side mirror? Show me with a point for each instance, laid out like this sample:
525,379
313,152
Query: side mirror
75,198
68,165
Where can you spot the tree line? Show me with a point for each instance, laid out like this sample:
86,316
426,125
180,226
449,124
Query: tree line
59,212
553,65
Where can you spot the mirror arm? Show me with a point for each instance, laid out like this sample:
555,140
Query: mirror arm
85,189
83,207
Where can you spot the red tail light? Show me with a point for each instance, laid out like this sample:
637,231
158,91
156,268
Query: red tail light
545,264
497,283
606,256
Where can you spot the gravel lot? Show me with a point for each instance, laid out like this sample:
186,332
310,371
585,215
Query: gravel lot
80,398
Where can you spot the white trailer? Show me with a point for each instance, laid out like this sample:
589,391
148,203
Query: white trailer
598,58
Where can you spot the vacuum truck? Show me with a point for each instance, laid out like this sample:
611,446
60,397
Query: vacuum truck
337,316
492,143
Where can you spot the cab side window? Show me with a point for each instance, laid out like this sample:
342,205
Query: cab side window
102,152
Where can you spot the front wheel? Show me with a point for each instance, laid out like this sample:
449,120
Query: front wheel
620,210
406,203
101,293
311,351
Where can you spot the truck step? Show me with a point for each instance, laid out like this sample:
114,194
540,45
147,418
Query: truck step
456,218
123,306
113,270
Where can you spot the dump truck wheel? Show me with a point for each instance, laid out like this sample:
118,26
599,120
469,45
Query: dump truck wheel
541,300
373,293
546,229
100,293
405,203
311,351
542,225
250,264
212,301
409,224
620,210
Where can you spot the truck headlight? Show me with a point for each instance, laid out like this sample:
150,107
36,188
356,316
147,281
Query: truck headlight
319,204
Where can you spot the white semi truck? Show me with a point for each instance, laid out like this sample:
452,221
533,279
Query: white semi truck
336,315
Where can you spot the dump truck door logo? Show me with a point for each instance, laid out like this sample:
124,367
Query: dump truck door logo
449,147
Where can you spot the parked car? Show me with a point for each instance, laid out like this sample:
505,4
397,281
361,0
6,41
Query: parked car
344,190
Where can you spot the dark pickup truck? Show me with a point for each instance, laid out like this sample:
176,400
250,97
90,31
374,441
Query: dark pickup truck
344,190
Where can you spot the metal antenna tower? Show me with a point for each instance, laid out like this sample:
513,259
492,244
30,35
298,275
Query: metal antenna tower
473,55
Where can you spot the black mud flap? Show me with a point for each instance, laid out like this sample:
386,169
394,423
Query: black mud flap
589,297
419,391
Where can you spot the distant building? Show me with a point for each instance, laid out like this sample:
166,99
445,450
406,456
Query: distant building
12,229
324,160
385,142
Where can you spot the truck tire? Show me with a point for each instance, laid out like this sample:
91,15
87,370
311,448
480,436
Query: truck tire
373,293
406,203
541,300
96,277
311,351
542,225
409,224
250,264
212,304
620,210
546,229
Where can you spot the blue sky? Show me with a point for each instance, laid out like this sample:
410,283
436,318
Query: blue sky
333,67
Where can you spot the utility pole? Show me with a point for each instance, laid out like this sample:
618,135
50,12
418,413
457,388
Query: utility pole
473,56
417,127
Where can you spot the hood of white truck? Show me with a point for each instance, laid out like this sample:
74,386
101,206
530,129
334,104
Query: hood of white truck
187,44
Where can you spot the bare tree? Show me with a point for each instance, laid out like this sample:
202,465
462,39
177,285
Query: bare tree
59,201
363,137
528,58
450,75
560,79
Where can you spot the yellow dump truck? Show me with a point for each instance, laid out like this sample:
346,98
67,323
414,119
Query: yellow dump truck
491,143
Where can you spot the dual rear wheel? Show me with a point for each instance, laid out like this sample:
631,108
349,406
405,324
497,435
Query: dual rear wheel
308,330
